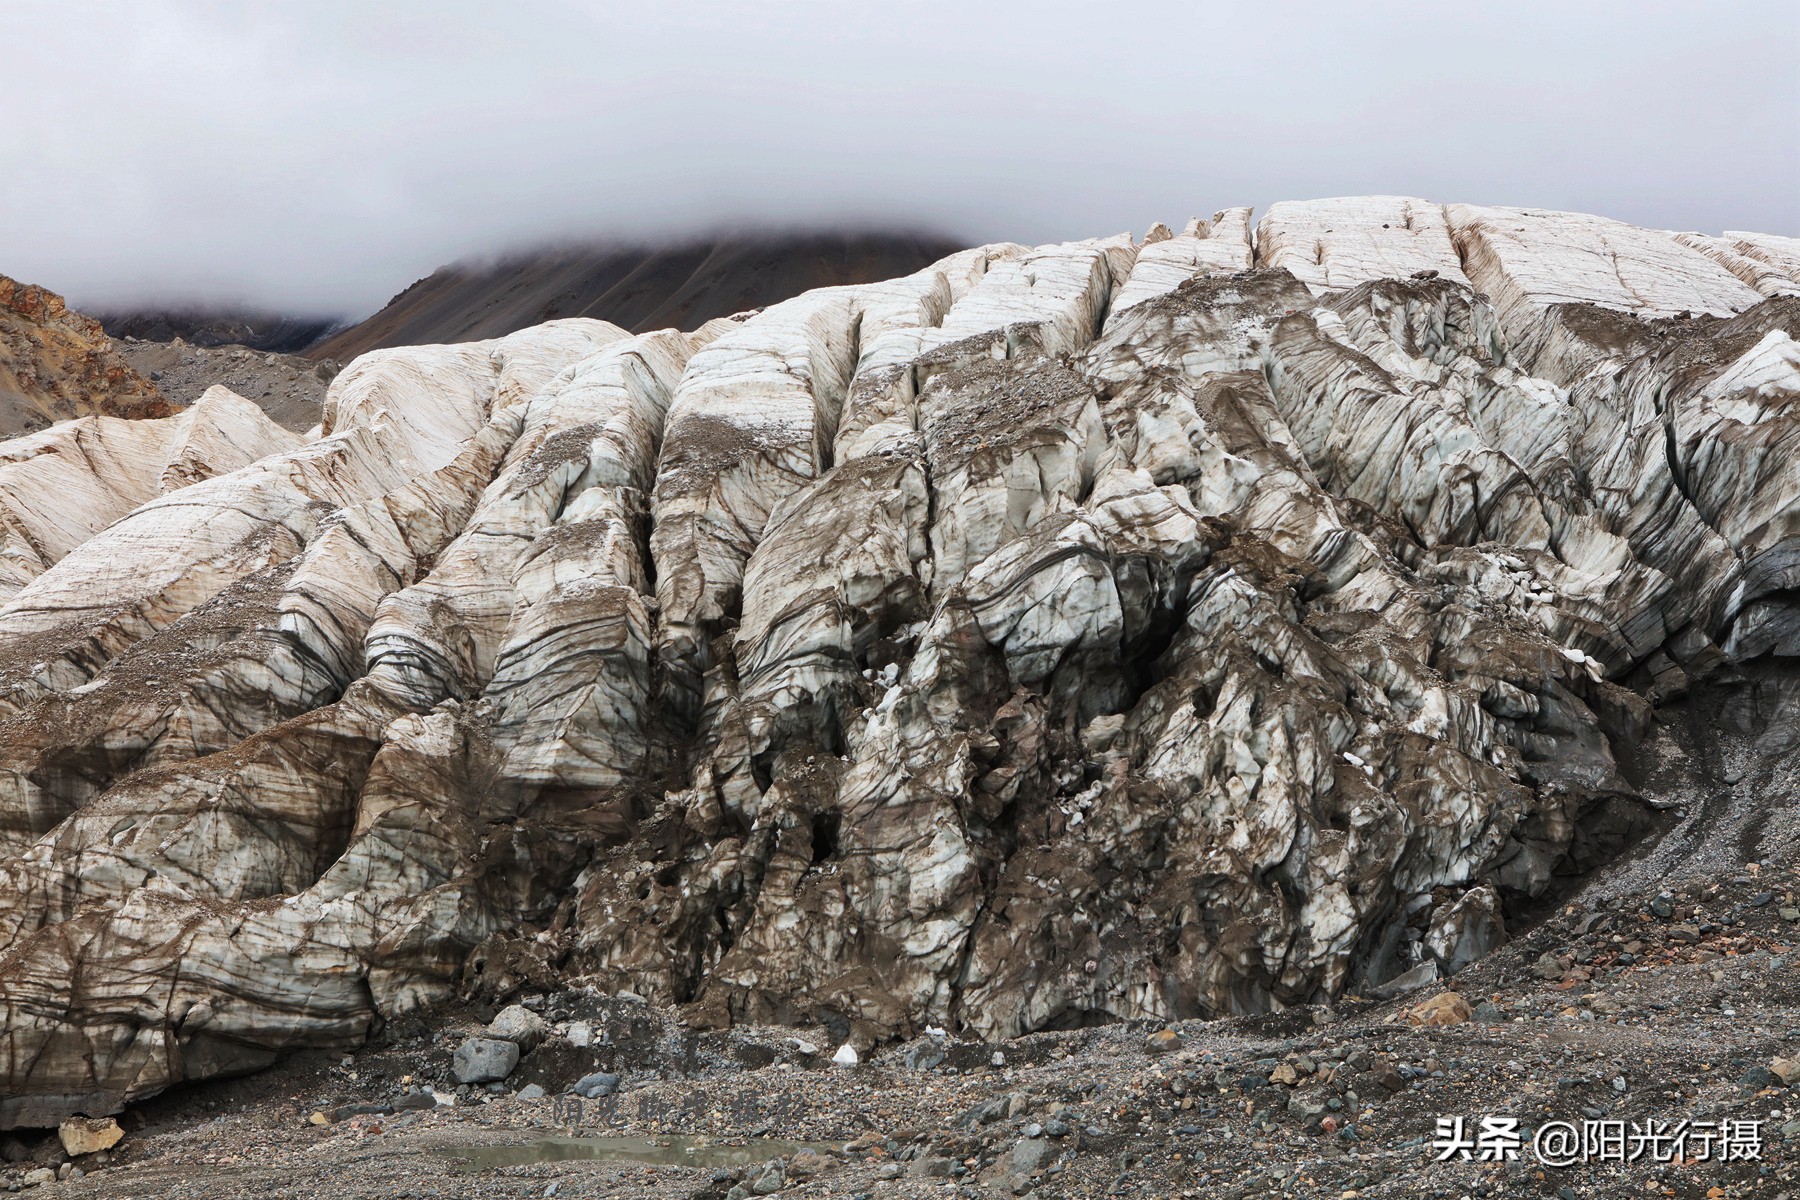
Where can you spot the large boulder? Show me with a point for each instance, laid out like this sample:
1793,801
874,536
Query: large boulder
518,1024
484,1060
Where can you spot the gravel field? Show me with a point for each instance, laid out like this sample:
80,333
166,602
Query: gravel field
289,388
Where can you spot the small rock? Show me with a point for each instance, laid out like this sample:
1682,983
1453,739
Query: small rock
845,1056
415,1101
1163,1041
925,1055
808,1162
531,1091
1285,1074
346,1111
1054,1128
1307,1108
86,1135
40,1176
999,1059
1785,1069
1445,1008
1423,975
581,1034
480,1060
1757,1078
772,1180
592,1087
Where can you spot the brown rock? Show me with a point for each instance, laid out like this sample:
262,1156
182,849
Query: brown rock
1387,1074
808,1163
56,364
1445,1008
89,1135
1162,1042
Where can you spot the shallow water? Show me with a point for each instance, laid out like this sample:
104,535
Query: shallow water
666,1151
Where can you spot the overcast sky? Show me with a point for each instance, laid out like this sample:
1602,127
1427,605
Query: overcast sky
319,156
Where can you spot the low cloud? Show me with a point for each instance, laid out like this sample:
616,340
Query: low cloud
319,157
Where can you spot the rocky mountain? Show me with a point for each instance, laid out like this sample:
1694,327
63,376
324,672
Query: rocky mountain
1046,637
289,387
641,289
56,363
210,328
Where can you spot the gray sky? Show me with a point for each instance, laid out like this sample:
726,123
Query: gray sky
320,155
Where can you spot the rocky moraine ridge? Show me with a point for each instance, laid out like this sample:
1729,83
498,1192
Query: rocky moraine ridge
1052,636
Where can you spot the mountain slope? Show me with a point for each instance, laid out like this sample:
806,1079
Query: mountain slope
1048,637
678,287
209,328
56,363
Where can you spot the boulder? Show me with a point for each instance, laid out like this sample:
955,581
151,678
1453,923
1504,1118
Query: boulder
1466,929
484,1060
596,1085
88,1135
518,1024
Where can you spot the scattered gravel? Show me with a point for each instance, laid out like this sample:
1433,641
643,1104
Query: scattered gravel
289,388
1606,1009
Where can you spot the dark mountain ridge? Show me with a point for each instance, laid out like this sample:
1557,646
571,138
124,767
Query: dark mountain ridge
641,287
214,327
